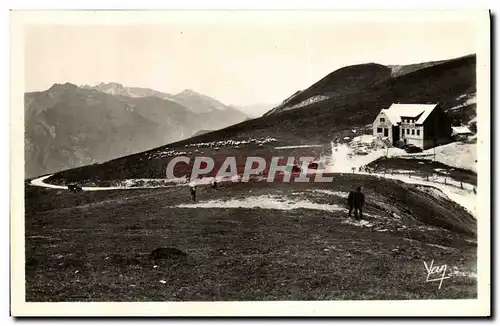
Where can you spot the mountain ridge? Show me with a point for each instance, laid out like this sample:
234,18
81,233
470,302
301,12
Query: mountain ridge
67,126
325,89
196,102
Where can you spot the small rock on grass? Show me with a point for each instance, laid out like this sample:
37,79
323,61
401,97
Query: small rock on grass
169,252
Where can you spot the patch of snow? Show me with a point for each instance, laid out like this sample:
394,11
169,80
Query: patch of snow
471,99
457,154
457,272
466,198
311,100
440,246
264,202
432,191
471,241
367,139
235,178
331,192
375,217
361,223
343,159
43,237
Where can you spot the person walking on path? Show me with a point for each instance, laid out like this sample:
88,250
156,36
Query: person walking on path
350,202
192,190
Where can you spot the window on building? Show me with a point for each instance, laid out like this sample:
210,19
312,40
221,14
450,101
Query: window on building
407,131
382,119
402,131
413,131
379,130
418,132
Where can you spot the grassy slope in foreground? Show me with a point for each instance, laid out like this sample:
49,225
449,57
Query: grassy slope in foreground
95,246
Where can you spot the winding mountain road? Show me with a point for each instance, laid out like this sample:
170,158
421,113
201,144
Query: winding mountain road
463,197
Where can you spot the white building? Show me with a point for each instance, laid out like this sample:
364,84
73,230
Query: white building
423,125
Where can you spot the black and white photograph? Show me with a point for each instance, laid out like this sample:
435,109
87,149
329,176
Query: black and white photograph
250,163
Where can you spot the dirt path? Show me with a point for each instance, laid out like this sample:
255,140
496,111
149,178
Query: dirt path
40,182
463,197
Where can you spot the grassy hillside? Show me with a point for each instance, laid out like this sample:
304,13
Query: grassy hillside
97,246
318,123
260,240
343,81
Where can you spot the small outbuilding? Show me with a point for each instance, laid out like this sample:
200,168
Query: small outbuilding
460,133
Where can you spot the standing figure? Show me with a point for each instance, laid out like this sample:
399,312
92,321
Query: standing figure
350,202
192,189
359,201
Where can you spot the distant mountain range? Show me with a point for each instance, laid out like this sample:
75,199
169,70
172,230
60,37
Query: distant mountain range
68,126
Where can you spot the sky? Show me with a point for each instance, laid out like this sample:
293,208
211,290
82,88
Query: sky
237,61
